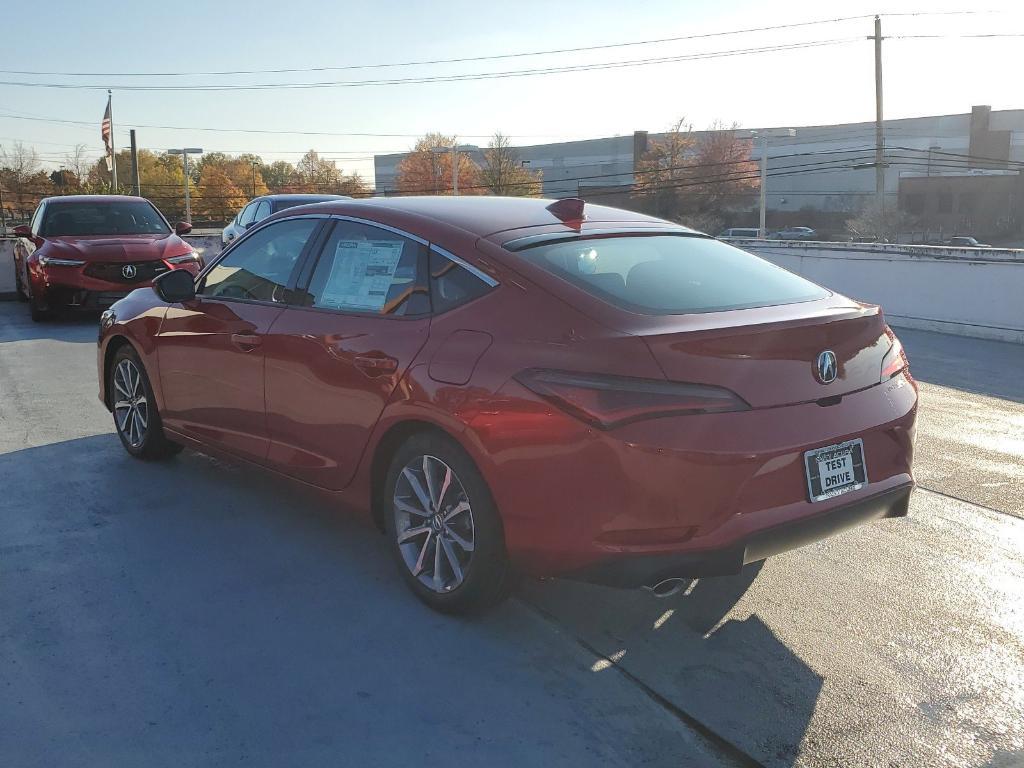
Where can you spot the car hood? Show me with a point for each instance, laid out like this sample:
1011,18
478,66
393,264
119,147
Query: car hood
118,248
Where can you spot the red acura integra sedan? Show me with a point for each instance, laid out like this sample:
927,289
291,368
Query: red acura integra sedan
88,251
519,385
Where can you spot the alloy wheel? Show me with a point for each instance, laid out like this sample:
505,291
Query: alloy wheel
131,409
433,523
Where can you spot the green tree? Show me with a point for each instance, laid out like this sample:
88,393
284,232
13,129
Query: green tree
279,175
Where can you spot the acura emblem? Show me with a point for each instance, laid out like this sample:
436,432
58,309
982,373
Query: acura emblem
826,367
129,271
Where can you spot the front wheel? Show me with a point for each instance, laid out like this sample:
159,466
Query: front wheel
135,414
444,527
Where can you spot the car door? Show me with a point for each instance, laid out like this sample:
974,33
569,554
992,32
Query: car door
210,349
334,358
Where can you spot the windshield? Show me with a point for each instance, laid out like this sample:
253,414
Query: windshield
672,274
131,217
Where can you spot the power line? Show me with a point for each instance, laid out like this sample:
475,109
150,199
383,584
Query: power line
489,57
446,78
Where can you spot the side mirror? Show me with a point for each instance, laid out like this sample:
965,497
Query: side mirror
176,286
182,228
250,225
23,230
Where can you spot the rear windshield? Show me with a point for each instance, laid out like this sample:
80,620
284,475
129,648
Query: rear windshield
672,274
131,217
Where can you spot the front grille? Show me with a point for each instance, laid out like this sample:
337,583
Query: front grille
113,272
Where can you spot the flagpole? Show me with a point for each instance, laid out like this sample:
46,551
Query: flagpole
113,150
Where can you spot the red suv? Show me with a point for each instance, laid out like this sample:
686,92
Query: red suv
515,384
88,251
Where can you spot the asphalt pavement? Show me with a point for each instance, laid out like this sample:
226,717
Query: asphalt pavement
195,613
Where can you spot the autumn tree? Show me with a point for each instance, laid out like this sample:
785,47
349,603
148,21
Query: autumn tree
503,172
217,197
695,178
427,170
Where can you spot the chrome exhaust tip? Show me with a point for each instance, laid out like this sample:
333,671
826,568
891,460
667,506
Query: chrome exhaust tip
667,587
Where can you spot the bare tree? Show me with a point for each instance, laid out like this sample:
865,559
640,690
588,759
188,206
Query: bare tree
77,163
503,172
20,172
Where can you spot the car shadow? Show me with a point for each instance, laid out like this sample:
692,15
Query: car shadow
981,366
163,613
726,671
17,325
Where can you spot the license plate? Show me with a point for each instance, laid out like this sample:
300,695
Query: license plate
835,469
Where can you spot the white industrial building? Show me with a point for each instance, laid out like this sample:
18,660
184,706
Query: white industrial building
914,146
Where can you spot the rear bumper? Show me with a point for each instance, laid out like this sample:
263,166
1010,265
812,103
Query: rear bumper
646,570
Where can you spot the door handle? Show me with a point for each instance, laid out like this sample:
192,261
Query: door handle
246,341
376,365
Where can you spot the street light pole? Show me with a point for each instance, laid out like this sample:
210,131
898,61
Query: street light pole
184,159
762,232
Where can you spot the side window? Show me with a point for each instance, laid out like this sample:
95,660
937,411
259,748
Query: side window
37,218
262,210
260,267
370,270
451,284
246,215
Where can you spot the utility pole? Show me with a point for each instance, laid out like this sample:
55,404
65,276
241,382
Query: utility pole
3,214
455,169
879,135
254,164
137,188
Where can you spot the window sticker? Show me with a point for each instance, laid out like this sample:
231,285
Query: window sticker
361,274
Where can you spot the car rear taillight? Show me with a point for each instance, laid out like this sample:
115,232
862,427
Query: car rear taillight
895,359
611,401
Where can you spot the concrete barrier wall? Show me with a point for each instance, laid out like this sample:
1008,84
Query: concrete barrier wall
965,291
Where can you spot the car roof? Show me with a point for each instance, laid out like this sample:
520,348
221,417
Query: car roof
478,215
301,196
56,200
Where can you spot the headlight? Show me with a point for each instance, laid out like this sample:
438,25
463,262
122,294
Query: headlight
186,258
50,261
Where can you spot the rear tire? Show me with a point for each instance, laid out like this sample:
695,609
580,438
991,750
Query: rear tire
136,417
445,531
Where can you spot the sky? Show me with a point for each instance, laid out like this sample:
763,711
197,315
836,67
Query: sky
809,86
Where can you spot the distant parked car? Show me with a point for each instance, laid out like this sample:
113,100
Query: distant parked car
85,252
966,242
260,208
740,232
794,233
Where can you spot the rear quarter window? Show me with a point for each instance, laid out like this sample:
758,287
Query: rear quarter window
672,274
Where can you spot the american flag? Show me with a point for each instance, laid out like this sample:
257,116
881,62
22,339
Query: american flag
105,127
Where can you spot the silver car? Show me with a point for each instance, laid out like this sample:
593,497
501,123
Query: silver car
260,208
